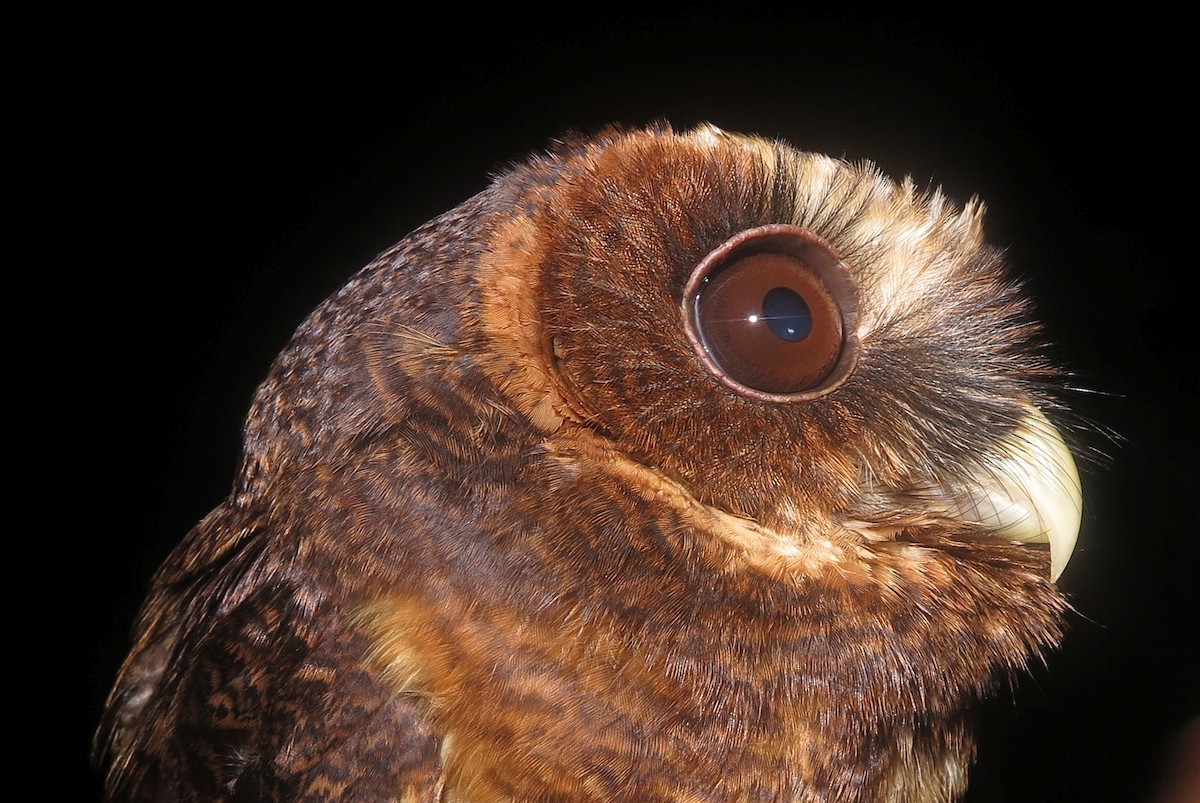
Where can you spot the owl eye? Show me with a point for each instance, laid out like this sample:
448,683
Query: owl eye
771,313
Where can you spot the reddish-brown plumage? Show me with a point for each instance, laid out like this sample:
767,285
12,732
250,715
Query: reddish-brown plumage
499,533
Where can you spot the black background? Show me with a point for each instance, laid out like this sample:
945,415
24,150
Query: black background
229,174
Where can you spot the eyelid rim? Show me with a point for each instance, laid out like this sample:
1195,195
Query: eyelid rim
814,252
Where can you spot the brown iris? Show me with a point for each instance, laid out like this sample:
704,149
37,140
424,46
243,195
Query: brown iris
771,313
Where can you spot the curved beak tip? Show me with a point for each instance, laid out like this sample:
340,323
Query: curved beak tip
1031,492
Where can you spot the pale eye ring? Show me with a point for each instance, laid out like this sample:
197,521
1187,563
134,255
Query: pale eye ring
772,312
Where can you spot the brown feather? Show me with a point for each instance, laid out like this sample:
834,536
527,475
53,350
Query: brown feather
499,535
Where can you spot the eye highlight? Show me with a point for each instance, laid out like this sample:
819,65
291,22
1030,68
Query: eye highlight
771,313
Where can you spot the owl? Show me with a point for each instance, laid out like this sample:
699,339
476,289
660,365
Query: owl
670,467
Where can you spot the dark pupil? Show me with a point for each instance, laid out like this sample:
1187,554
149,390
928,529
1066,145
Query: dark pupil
787,314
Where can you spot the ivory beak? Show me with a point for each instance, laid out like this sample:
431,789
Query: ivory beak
1029,492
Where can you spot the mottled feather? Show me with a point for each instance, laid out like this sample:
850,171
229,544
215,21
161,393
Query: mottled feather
498,534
